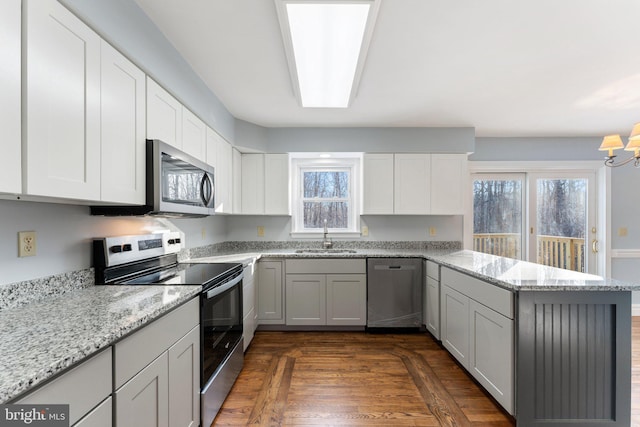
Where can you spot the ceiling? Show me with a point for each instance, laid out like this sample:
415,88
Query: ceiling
505,67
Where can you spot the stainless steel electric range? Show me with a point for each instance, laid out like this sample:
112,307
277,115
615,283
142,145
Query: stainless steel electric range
152,260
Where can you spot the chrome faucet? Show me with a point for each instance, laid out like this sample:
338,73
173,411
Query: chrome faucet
327,243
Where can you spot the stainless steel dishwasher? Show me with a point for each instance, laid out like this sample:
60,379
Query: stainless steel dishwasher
394,293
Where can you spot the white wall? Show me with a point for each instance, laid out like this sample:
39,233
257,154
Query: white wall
64,234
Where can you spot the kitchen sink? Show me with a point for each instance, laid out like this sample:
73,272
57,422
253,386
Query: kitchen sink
325,251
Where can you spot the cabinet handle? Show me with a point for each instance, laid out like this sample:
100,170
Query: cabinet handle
594,246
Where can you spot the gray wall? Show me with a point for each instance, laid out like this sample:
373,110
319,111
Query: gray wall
410,228
123,24
64,234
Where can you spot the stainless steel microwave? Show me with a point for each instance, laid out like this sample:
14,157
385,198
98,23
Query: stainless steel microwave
177,185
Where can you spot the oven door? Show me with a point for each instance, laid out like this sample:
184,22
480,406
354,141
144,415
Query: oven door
220,325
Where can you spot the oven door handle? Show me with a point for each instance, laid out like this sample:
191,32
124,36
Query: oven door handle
223,288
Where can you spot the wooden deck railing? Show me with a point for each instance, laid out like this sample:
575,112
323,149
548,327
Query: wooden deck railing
555,251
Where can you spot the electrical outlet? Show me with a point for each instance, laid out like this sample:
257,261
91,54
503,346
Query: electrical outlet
26,243
623,232
260,231
432,231
365,231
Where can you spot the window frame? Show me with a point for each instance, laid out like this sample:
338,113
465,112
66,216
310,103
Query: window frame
311,162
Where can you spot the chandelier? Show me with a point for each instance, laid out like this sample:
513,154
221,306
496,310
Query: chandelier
614,142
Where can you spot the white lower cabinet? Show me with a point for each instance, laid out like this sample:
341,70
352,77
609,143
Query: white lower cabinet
306,300
270,292
157,372
83,387
479,335
249,317
346,299
455,324
491,355
101,416
144,400
432,307
326,292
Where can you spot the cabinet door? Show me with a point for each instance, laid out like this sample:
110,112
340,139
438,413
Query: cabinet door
122,129
184,381
455,324
377,184
432,307
346,299
448,183
194,135
10,84
306,299
63,103
101,416
223,176
491,353
253,188
276,184
412,184
248,328
143,401
164,115
237,181
212,149
270,292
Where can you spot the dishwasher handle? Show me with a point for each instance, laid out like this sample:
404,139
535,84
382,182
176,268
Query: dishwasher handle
394,267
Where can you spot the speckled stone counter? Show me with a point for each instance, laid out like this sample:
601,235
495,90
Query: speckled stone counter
506,273
43,338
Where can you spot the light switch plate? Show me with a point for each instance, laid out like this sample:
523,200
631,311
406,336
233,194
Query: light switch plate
260,231
365,231
432,231
622,231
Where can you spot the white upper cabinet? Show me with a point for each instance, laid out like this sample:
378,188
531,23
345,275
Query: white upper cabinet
194,135
164,115
237,182
122,129
211,147
253,184
62,77
276,184
10,83
412,184
377,182
265,184
223,175
448,183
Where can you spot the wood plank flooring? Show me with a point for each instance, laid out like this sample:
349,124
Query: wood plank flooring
359,379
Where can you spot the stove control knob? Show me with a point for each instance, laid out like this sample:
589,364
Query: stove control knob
127,247
115,249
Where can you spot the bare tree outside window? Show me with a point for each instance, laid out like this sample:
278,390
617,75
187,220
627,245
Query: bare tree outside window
326,195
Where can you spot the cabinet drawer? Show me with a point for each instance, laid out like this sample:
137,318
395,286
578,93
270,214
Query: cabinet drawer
136,351
326,266
82,387
433,270
497,299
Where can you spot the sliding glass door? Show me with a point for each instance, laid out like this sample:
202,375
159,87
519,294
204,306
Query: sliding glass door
547,218
563,206
498,214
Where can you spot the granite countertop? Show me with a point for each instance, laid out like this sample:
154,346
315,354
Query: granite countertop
41,339
507,273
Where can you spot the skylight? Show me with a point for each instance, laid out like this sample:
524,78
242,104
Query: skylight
326,44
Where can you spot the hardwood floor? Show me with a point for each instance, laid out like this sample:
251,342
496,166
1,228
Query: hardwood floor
359,379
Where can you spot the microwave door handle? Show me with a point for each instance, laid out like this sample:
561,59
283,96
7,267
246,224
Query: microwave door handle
205,196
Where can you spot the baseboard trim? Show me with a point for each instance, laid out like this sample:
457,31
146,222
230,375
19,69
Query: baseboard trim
635,309
625,253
